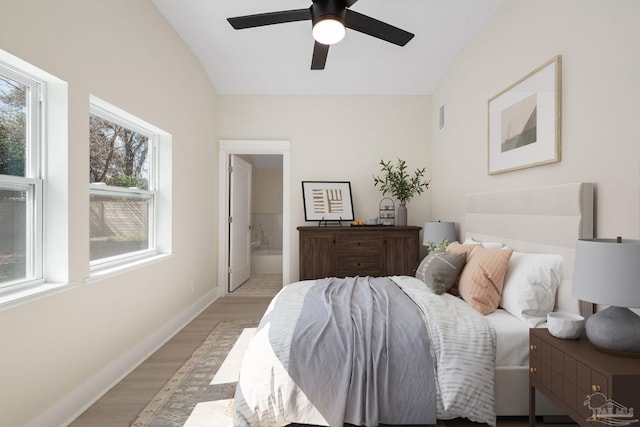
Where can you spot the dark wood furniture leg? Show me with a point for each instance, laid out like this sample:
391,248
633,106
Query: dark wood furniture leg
532,406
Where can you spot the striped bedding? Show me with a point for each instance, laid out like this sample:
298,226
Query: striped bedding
463,344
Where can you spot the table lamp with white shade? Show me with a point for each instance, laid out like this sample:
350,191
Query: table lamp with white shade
436,232
607,271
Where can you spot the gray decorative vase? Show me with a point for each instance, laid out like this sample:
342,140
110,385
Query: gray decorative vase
615,329
401,221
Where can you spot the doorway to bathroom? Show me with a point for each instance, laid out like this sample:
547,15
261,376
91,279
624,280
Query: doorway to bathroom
265,242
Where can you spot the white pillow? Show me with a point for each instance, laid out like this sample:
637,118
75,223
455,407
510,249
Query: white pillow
486,245
530,286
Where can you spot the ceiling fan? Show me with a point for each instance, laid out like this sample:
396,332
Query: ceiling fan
329,19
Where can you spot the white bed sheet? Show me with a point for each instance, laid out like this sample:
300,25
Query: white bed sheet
512,338
462,342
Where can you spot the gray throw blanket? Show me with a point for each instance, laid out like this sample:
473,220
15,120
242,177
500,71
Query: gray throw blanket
362,355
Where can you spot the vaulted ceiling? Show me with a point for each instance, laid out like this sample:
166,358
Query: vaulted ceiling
276,59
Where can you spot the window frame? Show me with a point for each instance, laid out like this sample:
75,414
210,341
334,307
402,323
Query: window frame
119,117
32,182
34,136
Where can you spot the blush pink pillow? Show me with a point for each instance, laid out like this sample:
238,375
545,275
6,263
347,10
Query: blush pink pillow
457,248
482,278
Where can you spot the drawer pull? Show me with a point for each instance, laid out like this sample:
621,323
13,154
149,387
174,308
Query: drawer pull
595,387
533,347
533,370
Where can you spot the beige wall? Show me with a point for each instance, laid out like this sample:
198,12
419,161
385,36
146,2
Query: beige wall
600,142
337,138
124,52
266,193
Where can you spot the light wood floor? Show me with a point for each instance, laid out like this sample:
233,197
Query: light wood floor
122,404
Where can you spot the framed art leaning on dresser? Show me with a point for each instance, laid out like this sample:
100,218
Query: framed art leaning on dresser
327,201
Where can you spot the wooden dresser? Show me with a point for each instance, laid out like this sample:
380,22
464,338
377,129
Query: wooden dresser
358,251
568,372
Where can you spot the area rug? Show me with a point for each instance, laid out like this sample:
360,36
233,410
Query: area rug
201,392
260,285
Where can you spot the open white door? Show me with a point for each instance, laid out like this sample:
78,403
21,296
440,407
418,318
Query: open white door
248,147
239,222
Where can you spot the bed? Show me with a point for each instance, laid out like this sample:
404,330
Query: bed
478,361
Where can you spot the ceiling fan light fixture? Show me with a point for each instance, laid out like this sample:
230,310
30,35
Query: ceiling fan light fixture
328,31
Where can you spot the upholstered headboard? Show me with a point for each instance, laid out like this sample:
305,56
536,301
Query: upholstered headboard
547,219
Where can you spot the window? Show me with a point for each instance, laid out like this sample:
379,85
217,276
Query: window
123,187
21,195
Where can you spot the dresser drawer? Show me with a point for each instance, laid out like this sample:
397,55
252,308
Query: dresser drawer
570,388
590,381
359,266
358,246
570,395
539,371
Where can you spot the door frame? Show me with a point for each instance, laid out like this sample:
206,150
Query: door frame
227,148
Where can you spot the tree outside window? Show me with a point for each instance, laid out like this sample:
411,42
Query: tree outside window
122,189
13,126
118,155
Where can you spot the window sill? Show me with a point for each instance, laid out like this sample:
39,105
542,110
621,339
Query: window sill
108,271
11,298
27,293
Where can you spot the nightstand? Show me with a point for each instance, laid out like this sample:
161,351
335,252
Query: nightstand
581,380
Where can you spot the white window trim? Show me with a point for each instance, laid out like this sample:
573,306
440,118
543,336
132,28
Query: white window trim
160,187
51,170
34,237
32,181
37,91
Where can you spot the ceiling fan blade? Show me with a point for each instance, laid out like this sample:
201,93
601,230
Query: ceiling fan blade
373,27
349,3
260,19
320,52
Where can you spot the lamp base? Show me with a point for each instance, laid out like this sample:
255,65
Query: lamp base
615,330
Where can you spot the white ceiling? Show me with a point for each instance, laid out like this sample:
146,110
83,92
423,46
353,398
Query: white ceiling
276,59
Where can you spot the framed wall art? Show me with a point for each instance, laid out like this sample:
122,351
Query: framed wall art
327,201
524,121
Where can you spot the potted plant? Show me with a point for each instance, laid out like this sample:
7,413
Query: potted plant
438,247
397,182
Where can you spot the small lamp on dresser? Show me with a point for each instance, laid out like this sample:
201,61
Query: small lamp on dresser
437,232
607,271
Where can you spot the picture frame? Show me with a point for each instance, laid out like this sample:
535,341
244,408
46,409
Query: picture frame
327,201
524,121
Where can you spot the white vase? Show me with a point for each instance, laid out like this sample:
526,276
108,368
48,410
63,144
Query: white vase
401,220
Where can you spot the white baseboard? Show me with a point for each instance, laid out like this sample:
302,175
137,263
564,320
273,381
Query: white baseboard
63,412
